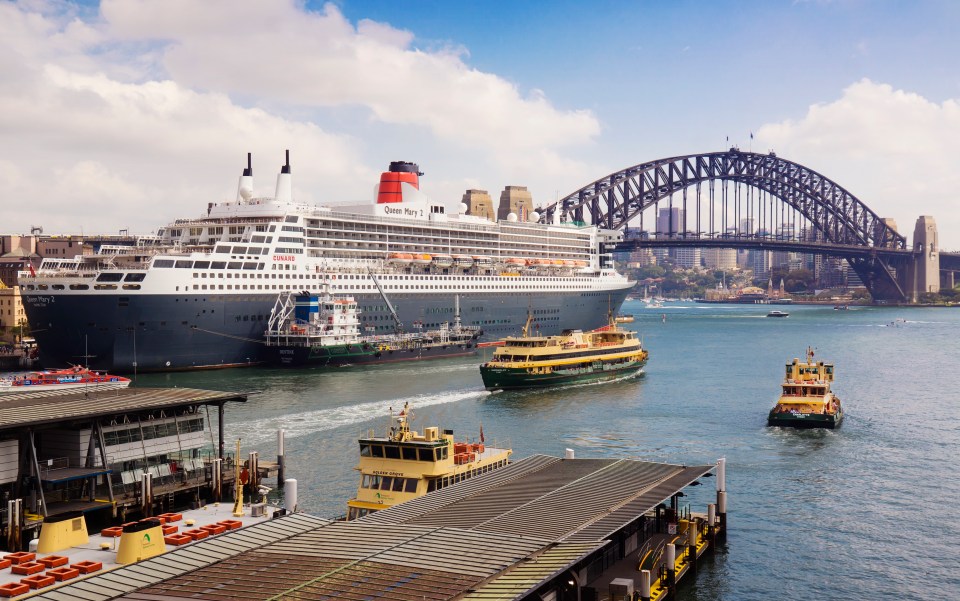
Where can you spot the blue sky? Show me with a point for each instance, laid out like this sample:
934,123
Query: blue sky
141,103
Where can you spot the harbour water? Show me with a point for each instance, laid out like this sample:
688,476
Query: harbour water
864,512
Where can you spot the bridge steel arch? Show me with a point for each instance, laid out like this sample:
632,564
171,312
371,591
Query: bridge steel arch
839,216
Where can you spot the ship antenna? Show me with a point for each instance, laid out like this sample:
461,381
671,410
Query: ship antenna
286,168
249,170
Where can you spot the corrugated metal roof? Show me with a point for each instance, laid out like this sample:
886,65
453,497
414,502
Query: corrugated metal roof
580,499
528,575
127,579
17,411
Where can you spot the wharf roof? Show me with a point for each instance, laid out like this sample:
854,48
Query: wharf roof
497,536
51,407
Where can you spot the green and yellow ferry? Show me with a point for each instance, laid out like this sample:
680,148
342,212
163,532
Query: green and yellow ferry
405,464
574,356
806,400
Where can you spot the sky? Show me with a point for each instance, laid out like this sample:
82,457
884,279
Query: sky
128,114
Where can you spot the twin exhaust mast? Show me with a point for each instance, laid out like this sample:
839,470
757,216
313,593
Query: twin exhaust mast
284,190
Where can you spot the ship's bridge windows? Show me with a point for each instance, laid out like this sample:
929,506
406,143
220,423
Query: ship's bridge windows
391,452
184,265
163,263
425,454
218,265
249,266
109,277
376,450
234,265
134,277
201,265
239,250
222,249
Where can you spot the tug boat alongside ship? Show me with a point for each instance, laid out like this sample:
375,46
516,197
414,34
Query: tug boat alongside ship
405,464
323,329
73,378
806,400
574,356
198,294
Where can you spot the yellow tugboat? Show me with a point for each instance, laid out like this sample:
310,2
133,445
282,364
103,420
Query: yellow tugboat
405,464
572,357
806,401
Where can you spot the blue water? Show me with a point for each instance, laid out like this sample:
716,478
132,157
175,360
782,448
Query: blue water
864,512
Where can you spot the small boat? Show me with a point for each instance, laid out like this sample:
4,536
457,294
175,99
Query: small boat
325,330
572,357
73,378
405,464
422,259
840,307
442,261
399,258
463,261
806,400
624,319
778,314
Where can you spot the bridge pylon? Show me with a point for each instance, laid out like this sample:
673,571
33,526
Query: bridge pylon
923,274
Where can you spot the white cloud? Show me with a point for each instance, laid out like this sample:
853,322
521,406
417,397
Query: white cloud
141,113
894,150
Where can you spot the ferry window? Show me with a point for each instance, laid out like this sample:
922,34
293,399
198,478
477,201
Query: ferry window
386,483
239,250
109,277
431,485
426,454
222,249
398,484
376,450
392,452
234,265
134,277
409,453
184,264
163,263
364,450
201,265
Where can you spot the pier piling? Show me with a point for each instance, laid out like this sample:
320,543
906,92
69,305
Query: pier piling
290,495
644,585
671,561
280,457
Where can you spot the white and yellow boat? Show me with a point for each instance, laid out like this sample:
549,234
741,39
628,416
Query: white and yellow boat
405,464
572,357
806,400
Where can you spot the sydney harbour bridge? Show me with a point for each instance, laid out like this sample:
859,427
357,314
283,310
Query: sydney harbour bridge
746,200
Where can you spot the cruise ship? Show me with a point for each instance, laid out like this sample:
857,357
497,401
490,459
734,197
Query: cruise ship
199,293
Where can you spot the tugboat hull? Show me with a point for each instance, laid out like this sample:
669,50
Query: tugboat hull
510,378
805,420
366,353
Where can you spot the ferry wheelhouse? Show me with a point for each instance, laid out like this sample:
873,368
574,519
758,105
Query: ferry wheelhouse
199,293
405,464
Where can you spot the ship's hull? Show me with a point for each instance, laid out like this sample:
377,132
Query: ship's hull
511,378
366,353
142,332
805,420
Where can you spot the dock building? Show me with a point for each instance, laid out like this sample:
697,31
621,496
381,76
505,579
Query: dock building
541,529
91,452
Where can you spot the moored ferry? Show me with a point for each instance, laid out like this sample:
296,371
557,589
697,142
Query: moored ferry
806,400
198,294
73,378
574,356
405,464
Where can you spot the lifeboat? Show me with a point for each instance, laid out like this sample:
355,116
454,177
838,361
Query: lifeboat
463,261
400,258
422,259
482,261
442,260
580,263
516,262
557,263
569,263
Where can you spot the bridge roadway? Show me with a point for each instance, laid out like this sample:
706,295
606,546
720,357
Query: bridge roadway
747,241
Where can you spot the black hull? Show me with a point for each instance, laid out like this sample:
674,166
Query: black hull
142,333
291,356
